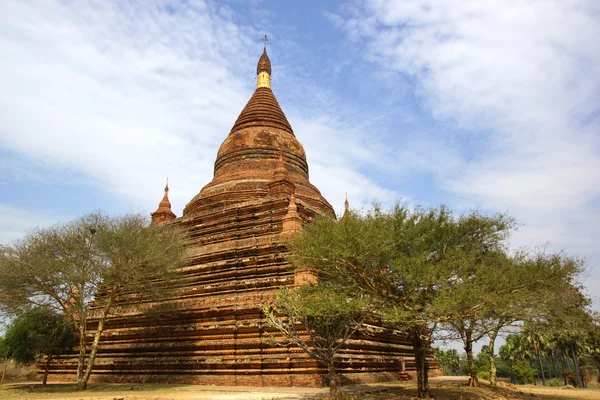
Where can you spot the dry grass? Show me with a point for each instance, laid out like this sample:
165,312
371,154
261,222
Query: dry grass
442,388
16,371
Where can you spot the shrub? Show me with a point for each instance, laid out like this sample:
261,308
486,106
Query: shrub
572,379
554,382
484,375
523,372
31,374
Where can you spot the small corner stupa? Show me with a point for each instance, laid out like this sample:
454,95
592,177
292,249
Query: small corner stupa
237,227
163,213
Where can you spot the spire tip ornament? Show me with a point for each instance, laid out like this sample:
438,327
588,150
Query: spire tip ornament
263,69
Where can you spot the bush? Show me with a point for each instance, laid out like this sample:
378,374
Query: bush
484,375
523,372
502,368
31,374
554,382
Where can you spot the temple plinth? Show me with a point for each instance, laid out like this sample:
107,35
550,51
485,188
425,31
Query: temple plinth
237,227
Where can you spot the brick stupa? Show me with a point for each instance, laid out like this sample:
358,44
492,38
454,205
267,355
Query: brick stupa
237,226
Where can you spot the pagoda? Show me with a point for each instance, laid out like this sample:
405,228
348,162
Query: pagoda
214,331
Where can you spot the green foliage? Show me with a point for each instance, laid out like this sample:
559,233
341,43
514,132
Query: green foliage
329,315
482,361
484,375
432,268
30,374
502,368
554,382
448,361
3,349
523,372
95,259
463,366
38,332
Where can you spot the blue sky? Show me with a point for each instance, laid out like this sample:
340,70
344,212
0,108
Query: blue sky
478,105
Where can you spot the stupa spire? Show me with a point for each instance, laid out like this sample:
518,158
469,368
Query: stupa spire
248,163
163,213
263,69
346,208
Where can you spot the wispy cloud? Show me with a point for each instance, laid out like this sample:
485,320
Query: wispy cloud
523,77
127,93
519,85
16,221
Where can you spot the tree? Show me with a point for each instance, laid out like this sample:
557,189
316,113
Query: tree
566,321
329,317
522,289
474,257
448,360
507,354
482,361
36,333
591,345
3,357
84,268
398,258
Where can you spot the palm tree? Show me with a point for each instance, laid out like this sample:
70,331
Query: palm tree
537,342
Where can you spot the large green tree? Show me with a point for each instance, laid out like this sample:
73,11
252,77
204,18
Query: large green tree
319,319
448,360
36,333
592,343
525,291
402,258
82,269
567,322
471,260
368,254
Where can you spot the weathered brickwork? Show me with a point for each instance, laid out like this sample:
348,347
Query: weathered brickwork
211,331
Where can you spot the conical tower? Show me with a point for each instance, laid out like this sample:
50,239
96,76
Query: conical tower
163,213
213,330
246,160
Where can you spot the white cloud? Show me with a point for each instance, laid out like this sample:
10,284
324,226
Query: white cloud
128,93
17,221
520,79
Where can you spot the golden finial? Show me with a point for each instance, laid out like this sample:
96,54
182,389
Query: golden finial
263,69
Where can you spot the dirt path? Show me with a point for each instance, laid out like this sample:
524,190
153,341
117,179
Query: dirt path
106,391
442,388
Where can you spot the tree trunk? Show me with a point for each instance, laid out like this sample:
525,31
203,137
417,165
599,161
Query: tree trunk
492,336
554,373
421,364
47,369
82,383
473,381
539,357
512,372
576,364
565,366
333,384
4,372
82,350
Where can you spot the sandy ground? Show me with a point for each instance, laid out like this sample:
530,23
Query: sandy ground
450,388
